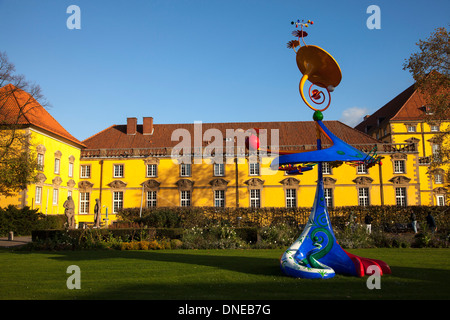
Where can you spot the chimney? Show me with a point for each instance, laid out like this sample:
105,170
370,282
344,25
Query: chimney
131,126
147,127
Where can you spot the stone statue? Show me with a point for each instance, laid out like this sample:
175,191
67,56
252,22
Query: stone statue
69,211
97,214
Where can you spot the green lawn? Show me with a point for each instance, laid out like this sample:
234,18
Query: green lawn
212,274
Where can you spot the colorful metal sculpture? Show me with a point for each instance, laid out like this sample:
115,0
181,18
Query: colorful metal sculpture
316,253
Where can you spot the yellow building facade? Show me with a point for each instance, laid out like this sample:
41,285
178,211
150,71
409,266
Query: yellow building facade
121,172
57,153
140,165
404,120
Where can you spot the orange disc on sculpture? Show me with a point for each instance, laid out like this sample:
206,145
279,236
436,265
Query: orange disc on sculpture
319,65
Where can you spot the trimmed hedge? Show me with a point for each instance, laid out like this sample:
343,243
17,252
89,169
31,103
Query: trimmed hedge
23,221
129,234
179,217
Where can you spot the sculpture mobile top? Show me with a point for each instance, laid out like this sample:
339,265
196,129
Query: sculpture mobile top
324,73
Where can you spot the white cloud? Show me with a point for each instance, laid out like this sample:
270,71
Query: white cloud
353,116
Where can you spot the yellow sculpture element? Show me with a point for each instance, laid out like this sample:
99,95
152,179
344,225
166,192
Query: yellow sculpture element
320,68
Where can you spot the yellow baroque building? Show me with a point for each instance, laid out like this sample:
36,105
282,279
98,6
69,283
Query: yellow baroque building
207,164
57,151
403,120
134,166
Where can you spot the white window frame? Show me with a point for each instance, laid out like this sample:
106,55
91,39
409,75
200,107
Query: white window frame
326,168
151,197
219,198
363,197
291,198
219,169
400,197
70,169
438,178
399,166
328,195
55,196
412,128
38,195
185,198
85,171
253,169
434,128
151,170
118,171
255,198
440,200
117,201
435,150
185,170
361,168
85,198
40,161
57,165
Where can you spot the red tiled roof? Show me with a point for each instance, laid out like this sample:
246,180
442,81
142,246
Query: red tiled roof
18,107
409,105
391,109
292,133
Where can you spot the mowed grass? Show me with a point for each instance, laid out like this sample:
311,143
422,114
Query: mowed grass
212,274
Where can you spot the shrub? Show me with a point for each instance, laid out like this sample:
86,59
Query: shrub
277,236
214,237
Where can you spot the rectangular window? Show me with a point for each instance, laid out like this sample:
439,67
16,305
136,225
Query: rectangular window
118,171
151,199
85,171
255,198
291,198
84,202
55,197
219,169
399,166
435,148
38,194
151,170
440,200
117,201
40,162
412,129
363,197
219,198
400,197
57,161
185,197
253,169
70,169
361,169
326,168
434,128
185,170
438,178
328,193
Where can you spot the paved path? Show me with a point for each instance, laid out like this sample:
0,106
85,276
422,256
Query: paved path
18,241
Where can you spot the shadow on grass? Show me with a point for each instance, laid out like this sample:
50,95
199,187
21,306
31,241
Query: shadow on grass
259,277
245,263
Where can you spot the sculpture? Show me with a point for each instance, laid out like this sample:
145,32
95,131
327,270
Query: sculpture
69,211
316,253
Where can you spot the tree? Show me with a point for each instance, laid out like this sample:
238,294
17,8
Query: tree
18,162
430,68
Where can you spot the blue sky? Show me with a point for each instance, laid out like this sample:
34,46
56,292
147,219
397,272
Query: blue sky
181,61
